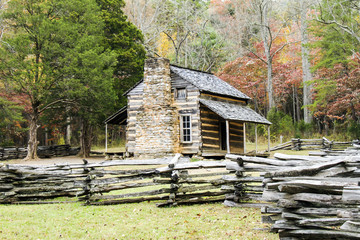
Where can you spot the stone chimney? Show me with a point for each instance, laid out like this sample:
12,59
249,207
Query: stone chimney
156,125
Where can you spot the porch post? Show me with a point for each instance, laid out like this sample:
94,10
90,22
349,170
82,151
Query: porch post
269,138
244,137
227,136
106,137
255,138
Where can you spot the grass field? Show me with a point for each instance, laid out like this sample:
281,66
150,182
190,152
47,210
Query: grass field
134,221
130,221
263,147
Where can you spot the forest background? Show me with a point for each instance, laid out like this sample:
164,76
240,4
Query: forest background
66,63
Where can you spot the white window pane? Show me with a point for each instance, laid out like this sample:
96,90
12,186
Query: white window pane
186,128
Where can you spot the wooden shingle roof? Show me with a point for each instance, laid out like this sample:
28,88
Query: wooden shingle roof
235,112
208,82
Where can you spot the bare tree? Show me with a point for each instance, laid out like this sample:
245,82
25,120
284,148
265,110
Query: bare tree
183,26
307,77
230,21
144,15
263,21
300,12
3,4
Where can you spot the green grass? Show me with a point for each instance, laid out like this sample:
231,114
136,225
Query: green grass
130,221
134,221
262,146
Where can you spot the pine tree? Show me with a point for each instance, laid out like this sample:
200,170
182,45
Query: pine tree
53,54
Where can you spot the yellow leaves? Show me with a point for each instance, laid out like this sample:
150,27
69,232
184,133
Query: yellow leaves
17,124
164,46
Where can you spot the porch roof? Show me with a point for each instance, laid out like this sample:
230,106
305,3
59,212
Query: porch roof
118,118
235,112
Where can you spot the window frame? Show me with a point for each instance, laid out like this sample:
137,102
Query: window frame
186,128
177,96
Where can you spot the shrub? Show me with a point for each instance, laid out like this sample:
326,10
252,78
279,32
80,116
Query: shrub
282,124
353,130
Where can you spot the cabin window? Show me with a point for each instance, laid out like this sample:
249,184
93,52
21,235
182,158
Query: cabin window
185,128
181,93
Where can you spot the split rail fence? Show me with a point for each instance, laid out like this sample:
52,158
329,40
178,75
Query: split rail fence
116,182
7,153
304,197
317,198
312,144
313,197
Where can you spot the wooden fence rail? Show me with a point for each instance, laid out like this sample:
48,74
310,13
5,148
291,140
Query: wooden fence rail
312,144
304,197
72,182
7,153
115,182
314,197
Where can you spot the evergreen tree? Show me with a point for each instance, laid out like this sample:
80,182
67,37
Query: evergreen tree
125,40
52,54
9,114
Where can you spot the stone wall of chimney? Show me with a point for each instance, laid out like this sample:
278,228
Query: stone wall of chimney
156,121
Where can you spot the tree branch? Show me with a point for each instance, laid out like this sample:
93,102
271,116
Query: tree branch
281,48
55,102
256,55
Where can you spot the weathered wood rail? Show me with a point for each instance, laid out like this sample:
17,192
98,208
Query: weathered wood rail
72,182
312,144
312,197
316,199
112,182
7,153
197,182
304,197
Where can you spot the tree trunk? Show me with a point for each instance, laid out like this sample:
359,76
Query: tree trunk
267,48
68,131
46,136
305,62
270,85
326,123
297,105
33,142
85,139
294,105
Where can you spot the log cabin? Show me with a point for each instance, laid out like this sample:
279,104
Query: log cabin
180,110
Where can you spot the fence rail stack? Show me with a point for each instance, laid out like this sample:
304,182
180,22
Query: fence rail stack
248,179
197,182
7,153
312,144
317,198
115,182
305,197
41,184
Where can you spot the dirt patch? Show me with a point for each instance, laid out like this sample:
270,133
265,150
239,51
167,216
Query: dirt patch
55,160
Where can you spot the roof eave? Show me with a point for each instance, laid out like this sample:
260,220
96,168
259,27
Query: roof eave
226,95
130,89
123,109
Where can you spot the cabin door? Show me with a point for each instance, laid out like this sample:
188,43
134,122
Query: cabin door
223,136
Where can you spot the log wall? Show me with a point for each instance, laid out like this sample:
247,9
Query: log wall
135,100
210,130
188,106
236,137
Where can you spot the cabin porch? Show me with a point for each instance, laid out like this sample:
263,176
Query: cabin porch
223,127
